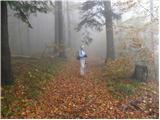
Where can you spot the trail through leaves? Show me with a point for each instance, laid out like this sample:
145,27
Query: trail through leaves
72,96
69,95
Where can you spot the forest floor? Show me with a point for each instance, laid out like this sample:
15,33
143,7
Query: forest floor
67,95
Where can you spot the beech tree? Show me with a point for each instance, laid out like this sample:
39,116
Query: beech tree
59,36
95,15
22,10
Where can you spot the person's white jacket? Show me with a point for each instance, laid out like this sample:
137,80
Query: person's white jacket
82,56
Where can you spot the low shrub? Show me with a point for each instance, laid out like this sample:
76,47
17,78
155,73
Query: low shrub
121,89
118,68
30,76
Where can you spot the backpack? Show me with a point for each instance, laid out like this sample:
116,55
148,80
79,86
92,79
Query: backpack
77,55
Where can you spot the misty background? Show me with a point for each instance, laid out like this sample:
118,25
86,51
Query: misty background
25,41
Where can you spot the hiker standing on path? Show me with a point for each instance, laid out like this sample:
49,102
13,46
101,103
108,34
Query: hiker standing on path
82,56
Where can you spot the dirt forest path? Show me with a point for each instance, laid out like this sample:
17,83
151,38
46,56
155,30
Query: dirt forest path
67,95
72,96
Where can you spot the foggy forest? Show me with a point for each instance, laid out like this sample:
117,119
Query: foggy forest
80,59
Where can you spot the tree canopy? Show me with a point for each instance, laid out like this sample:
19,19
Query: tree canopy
93,15
23,9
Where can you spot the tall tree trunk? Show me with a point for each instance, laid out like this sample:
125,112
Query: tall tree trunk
153,42
68,24
110,53
56,27
6,58
28,43
61,34
59,39
20,39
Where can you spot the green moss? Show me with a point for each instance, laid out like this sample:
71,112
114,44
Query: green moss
5,111
125,89
120,89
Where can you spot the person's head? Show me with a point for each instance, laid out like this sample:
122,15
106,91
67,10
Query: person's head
82,46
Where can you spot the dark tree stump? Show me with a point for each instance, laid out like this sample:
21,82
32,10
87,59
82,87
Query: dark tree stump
141,73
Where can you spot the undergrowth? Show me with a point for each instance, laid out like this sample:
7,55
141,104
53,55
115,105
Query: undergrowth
120,89
29,77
